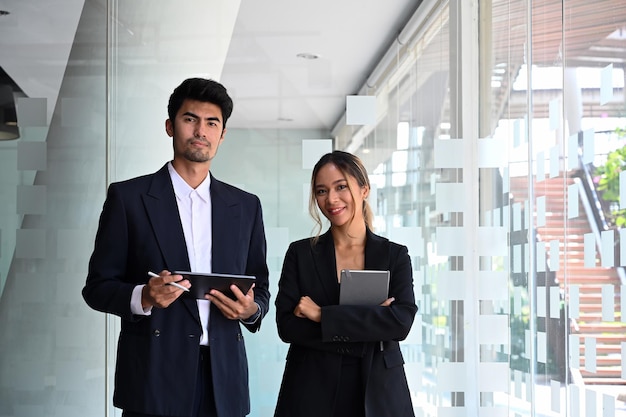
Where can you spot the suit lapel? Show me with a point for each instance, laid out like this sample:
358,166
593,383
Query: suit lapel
226,231
162,210
376,252
326,266
160,204
376,258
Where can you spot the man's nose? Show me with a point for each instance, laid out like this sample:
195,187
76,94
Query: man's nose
200,130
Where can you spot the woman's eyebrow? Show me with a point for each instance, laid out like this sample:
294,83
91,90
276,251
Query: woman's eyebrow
340,181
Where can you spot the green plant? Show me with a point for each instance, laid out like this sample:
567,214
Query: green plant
607,180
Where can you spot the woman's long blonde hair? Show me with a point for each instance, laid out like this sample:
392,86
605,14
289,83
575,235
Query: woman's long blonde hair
350,166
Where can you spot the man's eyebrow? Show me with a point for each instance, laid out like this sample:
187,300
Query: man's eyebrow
195,116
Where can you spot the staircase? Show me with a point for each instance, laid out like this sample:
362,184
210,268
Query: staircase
590,280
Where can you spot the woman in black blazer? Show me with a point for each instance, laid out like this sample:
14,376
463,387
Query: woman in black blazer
343,360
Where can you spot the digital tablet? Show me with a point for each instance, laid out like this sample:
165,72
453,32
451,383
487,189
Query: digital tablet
363,287
202,283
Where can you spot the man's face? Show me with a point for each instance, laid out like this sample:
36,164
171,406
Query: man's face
198,130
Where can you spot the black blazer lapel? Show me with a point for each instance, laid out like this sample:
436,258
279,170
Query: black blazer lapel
325,265
376,252
162,210
376,258
226,225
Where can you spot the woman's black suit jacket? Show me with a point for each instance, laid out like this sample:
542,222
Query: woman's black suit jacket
315,353
157,356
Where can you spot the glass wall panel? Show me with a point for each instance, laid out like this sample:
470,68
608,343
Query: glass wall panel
417,157
52,355
509,200
497,157
542,97
593,117
248,159
548,279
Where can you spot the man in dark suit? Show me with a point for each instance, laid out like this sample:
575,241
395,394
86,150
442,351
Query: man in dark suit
178,356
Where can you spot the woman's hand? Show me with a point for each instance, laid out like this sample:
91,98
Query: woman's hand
387,302
307,309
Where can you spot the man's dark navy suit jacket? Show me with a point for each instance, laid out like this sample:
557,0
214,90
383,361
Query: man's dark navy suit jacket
157,360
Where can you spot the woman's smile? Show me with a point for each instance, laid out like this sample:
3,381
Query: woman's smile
335,211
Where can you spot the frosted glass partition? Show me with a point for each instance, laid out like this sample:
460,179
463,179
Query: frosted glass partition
424,185
520,285
52,186
486,141
248,158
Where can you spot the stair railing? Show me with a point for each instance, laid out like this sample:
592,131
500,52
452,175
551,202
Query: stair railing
594,206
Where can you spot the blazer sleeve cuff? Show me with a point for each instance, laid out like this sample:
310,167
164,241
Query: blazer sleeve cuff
255,317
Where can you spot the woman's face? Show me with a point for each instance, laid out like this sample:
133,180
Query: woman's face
339,197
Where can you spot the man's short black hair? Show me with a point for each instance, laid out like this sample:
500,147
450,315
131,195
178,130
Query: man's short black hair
200,89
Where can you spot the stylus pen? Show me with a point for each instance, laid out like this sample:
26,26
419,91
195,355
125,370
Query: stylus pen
177,285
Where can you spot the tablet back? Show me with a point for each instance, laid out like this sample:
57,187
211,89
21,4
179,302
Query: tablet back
363,287
203,282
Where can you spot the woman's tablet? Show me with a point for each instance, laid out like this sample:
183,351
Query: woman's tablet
363,287
202,283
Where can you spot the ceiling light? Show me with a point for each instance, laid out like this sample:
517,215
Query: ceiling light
307,55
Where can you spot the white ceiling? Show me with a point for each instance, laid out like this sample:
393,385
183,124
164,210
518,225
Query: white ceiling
252,47
273,88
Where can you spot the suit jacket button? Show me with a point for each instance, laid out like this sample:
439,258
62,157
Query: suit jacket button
239,336
157,332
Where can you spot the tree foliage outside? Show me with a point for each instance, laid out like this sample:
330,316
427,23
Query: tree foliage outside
607,180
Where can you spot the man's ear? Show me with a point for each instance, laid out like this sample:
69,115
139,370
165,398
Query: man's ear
169,128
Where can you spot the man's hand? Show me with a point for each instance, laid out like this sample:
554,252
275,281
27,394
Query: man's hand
242,308
156,293
307,308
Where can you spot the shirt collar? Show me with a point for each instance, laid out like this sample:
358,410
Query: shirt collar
182,189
